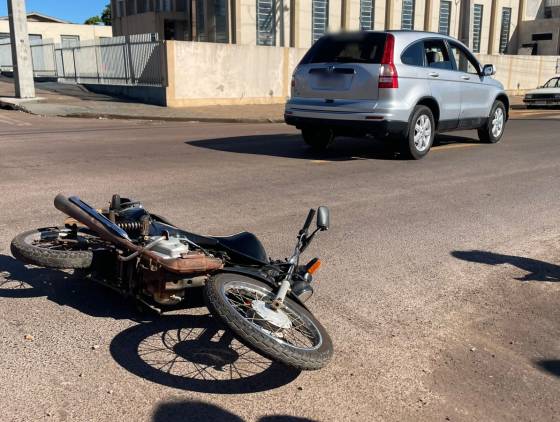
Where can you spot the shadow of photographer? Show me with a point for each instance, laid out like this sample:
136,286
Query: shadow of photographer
536,270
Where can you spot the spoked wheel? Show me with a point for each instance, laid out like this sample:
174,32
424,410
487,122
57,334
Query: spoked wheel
290,335
54,247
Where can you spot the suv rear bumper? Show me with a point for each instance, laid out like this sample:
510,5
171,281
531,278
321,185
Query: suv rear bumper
380,128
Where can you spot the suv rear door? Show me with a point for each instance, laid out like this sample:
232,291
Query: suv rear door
341,66
443,81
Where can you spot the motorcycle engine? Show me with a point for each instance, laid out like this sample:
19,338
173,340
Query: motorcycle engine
171,248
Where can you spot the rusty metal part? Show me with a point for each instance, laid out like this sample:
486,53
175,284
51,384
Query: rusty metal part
192,263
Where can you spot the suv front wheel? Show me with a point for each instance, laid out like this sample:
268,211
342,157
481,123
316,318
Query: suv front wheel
420,135
493,130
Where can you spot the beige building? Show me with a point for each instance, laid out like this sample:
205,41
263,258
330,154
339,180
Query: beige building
46,28
487,26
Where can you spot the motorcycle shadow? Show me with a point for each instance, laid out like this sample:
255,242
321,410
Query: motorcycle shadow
65,288
196,353
188,352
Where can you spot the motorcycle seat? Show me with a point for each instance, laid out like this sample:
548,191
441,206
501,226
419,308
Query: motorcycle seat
246,244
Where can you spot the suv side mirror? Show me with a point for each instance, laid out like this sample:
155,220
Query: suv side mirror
489,70
323,218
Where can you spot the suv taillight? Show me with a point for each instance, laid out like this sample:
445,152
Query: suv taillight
388,77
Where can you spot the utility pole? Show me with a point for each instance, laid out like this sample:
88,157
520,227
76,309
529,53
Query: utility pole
21,50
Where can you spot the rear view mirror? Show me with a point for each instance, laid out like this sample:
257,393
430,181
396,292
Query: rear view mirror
489,70
323,218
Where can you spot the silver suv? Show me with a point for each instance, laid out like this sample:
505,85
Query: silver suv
401,85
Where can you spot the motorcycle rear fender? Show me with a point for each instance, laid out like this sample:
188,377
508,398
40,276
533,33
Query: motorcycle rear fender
257,274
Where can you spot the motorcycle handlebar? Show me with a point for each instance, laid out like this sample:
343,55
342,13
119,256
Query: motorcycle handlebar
308,221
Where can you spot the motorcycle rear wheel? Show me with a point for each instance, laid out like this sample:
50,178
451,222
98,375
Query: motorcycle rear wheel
53,247
291,335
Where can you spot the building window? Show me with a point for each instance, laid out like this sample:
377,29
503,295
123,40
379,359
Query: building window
143,6
477,26
120,8
130,7
181,5
407,18
164,5
68,41
221,19
266,22
367,14
201,21
504,31
320,18
444,17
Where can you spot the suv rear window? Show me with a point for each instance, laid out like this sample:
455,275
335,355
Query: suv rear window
347,48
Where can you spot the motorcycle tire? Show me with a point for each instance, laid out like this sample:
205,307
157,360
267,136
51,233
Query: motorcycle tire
242,304
36,247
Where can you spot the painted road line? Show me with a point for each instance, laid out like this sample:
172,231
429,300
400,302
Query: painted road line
454,146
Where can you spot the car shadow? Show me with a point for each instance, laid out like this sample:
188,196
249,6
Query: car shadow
550,366
198,411
196,353
292,146
536,270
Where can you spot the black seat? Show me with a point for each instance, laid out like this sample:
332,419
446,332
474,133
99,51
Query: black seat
244,245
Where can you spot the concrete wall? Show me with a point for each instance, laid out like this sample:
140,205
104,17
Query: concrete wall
522,73
212,74
53,31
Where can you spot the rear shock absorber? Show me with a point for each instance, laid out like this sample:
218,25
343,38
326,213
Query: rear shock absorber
130,226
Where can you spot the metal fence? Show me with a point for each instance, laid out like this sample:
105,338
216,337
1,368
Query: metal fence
127,60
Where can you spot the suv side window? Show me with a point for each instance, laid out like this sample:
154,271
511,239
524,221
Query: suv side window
464,62
436,55
414,54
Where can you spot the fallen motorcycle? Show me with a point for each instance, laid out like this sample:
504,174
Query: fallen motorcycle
146,257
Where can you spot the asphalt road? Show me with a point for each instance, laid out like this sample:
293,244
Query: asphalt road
439,285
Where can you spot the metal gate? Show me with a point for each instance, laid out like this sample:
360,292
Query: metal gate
126,60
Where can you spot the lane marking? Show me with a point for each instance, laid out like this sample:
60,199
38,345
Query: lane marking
454,146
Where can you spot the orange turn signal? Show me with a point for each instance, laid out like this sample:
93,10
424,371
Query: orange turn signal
316,265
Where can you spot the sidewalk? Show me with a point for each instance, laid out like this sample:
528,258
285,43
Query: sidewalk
63,100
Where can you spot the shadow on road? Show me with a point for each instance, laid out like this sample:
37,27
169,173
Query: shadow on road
189,352
536,270
550,366
195,353
292,146
18,281
197,411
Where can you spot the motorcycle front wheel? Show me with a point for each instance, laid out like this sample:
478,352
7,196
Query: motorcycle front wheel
290,335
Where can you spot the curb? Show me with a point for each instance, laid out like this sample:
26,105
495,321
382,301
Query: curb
7,105
171,119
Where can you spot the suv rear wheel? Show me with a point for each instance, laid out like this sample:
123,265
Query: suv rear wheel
493,130
421,132
318,139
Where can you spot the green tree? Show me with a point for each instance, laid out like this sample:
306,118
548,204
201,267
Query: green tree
106,15
94,20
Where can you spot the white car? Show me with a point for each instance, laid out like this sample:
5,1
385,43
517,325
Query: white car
546,95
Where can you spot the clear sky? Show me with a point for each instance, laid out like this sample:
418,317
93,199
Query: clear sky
76,11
